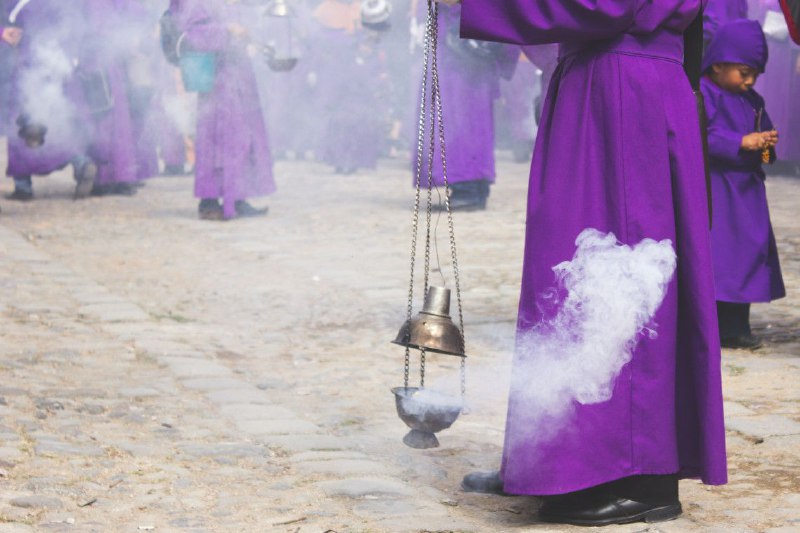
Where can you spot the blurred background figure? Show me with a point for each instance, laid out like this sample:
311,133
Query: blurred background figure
46,128
349,69
470,73
780,84
107,46
233,161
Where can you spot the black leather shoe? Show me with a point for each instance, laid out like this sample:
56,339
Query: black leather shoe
484,483
244,209
743,342
605,509
20,196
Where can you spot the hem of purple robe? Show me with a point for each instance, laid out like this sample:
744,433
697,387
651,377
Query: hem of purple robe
742,300
685,473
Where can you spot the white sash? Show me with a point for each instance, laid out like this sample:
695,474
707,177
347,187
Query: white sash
12,18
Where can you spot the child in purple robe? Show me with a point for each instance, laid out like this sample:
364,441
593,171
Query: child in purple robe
740,137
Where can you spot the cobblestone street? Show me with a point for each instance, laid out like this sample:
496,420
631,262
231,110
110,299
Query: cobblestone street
162,373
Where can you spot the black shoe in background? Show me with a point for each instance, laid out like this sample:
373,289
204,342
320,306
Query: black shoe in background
743,342
20,196
244,209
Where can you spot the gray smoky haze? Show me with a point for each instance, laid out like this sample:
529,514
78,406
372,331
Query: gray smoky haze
611,293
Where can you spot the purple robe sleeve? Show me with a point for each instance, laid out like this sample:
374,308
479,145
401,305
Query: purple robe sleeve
723,144
546,21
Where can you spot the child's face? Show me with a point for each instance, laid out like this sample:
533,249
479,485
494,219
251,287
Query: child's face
734,77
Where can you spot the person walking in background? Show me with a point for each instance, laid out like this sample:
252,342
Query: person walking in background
233,161
741,136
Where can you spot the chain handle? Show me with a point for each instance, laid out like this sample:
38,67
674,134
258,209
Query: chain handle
437,109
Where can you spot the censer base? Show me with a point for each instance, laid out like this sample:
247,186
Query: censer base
420,440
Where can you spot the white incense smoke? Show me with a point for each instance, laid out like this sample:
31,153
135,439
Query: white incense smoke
42,86
611,293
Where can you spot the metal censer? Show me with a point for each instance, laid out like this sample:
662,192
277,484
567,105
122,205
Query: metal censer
281,58
423,410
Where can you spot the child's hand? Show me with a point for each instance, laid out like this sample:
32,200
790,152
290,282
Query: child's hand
758,140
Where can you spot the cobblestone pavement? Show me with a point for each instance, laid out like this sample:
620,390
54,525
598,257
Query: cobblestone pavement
161,373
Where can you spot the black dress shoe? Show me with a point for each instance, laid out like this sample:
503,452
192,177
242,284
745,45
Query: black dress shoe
210,210
244,209
484,483
20,196
742,342
605,509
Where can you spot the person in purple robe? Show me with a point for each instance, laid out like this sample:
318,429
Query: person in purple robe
345,59
780,84
719,12
619,149
470,84
517,114
740,136
233,160
105,48
44,106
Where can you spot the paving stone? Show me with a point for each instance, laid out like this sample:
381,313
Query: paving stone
249,395
415,524
15,528
249,411
341,467
114,312
277,427
304,457
190,367
214,383
36,502
225,450
365,486
304,443
52,447
763,426
736,409
139,392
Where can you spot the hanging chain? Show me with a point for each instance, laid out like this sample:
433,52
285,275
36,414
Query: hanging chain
436,98
422,369
417,183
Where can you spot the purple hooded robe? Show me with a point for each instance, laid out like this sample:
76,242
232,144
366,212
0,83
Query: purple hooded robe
746,266
43,25
469,86
233,160
618,149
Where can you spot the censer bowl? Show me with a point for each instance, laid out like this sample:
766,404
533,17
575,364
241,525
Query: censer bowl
282,64
426,414
32,133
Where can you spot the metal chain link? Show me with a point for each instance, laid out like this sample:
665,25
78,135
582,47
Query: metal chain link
436,98
417,182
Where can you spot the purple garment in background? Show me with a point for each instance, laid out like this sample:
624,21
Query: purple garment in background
103,52
469,88
719,12
618,150
518,97
780,85
42,22
348,73
233,156
746,266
